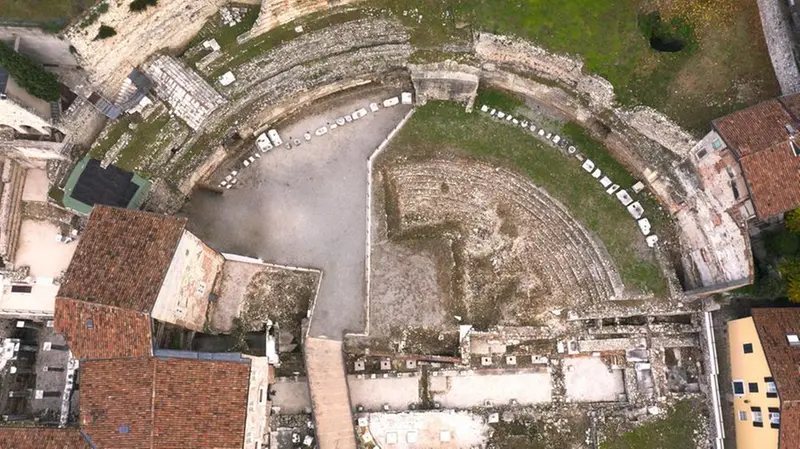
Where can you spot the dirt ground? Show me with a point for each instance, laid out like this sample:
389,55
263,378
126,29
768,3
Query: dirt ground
457,241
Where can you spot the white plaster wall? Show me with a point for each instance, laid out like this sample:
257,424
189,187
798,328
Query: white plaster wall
183,299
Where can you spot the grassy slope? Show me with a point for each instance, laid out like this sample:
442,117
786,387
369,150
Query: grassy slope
445,126
692,87
675,430
43,10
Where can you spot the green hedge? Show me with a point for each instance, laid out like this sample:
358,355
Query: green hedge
29,74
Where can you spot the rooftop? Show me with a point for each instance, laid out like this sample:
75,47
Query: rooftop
41,438
773,326
90,184
96,331
152,402
122,258
760,137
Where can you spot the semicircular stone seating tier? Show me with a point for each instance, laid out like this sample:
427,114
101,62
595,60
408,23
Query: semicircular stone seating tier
554,248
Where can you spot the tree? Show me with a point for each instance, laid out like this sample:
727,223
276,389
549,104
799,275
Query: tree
792,220
141,5
29,74
105,32
790,271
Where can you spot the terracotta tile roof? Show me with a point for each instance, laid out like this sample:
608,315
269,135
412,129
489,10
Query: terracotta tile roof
774,180
41,438
758,137
122,258
114,332
164,403
773,325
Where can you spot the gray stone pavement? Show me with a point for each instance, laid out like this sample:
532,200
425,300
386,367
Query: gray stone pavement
307,206
589,379
454,390
291,396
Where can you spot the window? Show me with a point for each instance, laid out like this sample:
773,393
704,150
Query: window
752,387
260,395
748,348
795,148
774,418
21,288
716,144
90,323
742,415
772,389
793,339
756,414
738,388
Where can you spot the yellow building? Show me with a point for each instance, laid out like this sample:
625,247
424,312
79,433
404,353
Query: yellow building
765,357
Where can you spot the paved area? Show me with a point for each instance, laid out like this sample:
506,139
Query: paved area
589,379
455,391
307,207
446,429
291,396
372,394
329,396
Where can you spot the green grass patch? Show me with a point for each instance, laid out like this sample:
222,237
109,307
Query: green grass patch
43,12
445,126
674,430
142,144
499,100
614,40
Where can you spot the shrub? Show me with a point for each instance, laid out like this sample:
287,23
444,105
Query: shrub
792,220
105,32
29,74
141,5
790,271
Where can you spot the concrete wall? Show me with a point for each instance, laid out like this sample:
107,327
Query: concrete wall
183,299
258,406
750,368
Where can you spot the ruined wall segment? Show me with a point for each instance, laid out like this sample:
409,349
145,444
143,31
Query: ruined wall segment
446,80
715,242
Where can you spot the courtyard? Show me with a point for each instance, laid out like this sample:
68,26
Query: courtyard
306,207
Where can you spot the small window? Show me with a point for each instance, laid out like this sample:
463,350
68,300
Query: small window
755,412
260,395
772,389
742,415
795,148
716,144
774,419
124,429
748,348
793,339
90,323
738,388
21,288
701,154
752,387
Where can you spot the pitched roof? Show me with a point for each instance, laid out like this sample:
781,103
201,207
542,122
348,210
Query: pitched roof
145,402
760,140
773,325
96,331
122,258
41,438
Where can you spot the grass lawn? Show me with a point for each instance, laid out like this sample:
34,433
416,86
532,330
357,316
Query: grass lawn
441,126
144,141
727,67
674,430
41,11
